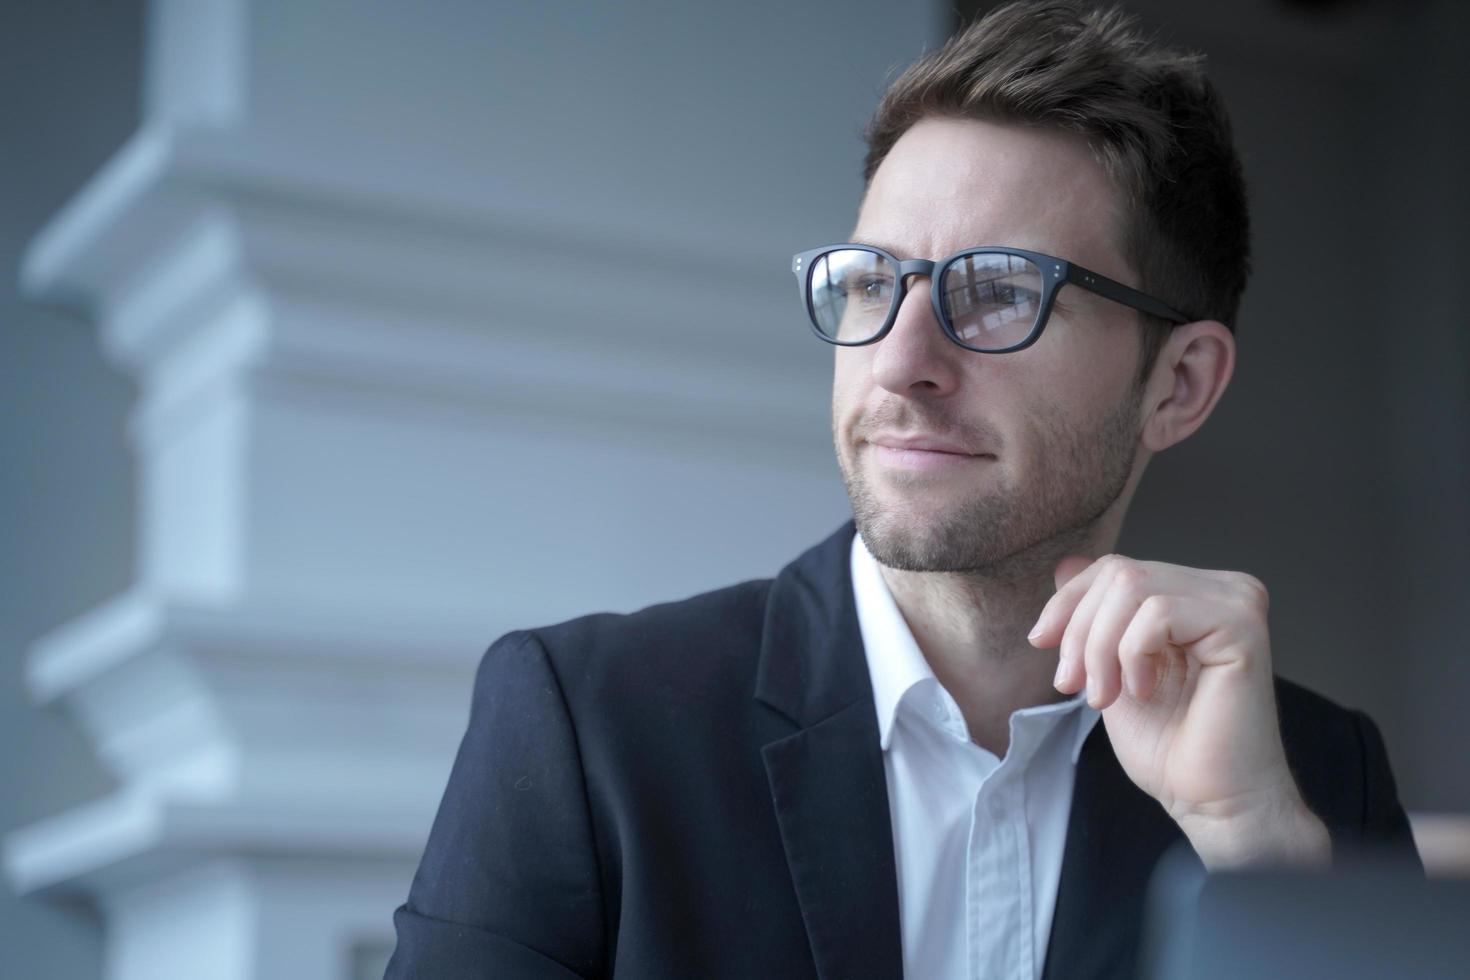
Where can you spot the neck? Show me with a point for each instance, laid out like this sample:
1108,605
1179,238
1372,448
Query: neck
972,627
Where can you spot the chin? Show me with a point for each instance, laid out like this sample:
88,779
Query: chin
919,531
908,549
997,531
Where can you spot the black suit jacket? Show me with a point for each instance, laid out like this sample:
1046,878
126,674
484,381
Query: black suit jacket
697,790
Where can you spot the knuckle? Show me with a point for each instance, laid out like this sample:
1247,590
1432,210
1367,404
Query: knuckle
1157,607
1253,591
1128,575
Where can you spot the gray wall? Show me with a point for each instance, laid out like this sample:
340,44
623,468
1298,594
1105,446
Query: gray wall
1419,146
69,95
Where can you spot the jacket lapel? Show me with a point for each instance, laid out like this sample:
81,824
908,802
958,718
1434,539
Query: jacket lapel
1115,836
826,777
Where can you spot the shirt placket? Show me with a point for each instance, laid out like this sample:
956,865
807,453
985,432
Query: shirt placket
998,898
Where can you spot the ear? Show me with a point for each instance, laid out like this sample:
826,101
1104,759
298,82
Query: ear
1191,373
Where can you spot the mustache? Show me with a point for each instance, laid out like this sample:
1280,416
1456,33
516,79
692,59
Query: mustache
910,418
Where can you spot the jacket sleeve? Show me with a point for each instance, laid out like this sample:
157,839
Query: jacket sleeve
508,884
1385,825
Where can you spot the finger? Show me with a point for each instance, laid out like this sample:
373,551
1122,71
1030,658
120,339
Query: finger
1184,580
1214,633
1241,598
1100,650
1069,568
1073,579
1225,577
1071,670
1142,643
1164,579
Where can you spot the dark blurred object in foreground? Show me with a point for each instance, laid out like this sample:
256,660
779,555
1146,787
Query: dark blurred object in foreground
1362,920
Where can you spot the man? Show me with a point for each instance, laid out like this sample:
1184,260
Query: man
879,763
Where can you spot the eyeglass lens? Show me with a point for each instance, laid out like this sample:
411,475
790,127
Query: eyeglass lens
991,299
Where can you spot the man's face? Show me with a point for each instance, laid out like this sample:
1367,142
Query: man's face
1042,441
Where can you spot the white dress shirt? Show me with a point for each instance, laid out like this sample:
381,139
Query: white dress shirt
977,840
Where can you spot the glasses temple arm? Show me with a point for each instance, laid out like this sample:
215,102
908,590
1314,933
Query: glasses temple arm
1112,289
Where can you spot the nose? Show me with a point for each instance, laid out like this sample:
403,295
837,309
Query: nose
916,357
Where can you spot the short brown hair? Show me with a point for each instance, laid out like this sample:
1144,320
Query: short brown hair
1152,118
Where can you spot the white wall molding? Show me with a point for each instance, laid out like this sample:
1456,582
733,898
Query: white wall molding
411,245
247,270
238,728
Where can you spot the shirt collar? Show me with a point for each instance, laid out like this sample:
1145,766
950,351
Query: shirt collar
895,662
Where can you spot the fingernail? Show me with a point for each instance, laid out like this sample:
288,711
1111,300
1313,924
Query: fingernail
1057,680
1089,690
1035,631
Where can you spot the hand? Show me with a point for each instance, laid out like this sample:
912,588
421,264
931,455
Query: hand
1179,661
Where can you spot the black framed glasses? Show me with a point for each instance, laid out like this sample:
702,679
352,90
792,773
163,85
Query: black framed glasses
993,299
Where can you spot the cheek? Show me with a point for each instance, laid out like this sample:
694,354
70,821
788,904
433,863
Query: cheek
1032,400
1025,427
849,376
1072,381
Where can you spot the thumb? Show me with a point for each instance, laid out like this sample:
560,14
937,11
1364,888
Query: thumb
1069,568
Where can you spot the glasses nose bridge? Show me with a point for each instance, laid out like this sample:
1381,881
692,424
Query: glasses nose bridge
909,268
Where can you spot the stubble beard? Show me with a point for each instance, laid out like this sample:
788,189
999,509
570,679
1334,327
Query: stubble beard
1010,532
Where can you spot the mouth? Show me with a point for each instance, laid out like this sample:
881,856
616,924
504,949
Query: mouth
923,454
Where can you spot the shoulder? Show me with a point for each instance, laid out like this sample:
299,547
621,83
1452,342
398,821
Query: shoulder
1317,732
1340,763
710,640
1308,714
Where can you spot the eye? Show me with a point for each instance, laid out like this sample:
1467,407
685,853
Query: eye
870,289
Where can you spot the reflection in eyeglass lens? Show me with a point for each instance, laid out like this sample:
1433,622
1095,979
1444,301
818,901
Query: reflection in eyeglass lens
851,291
992,300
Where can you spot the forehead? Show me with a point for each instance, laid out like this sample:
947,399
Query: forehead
949,184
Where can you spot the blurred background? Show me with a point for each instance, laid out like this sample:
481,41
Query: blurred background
338,338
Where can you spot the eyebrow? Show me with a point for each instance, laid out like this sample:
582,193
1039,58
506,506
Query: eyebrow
885,246
900,254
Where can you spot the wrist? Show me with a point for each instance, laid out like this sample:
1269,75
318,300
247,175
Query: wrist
1282,834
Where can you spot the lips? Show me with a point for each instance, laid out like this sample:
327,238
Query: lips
924,454
927,444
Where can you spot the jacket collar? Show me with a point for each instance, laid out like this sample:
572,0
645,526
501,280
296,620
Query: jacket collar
827,781
811,659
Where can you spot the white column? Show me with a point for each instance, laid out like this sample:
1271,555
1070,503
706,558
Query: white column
445,320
